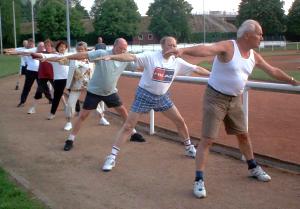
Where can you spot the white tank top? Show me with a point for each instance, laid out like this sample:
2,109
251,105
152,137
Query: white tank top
230,78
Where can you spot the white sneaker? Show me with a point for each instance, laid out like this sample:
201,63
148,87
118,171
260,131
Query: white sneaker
51,117
68,126
31,110
191,151
259,174
104,122
199,189
109,163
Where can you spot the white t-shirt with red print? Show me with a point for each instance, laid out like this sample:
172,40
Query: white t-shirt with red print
159,73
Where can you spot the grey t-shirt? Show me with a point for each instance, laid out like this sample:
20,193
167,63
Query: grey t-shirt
106,74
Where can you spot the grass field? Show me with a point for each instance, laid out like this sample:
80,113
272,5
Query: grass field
9,65
13,197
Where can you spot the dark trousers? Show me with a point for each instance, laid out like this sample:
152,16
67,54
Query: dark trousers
30,76
43,88
59,86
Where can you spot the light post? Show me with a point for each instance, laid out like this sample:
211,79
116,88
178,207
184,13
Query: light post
204,32
68,25
1,43
32,21
14,21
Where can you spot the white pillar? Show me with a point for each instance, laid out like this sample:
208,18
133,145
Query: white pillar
152,123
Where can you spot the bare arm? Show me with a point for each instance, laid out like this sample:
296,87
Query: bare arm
78,56
125,57
275,72
202,71
218,48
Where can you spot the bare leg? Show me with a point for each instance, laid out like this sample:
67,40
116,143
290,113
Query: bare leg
174,115
83,115
202,153
245,145
127,128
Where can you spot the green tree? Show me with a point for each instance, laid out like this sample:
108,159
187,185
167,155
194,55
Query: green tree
170,17
115,18
269,13
293,20
7,21
51,20
76,4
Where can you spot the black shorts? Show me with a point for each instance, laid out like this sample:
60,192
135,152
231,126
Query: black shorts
91,101
23,69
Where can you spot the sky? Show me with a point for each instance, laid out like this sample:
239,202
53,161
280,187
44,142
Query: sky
209,5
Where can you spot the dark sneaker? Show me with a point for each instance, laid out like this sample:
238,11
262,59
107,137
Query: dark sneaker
136,137
68,145
20,104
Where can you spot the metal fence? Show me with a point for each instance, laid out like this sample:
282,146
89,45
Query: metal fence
261,86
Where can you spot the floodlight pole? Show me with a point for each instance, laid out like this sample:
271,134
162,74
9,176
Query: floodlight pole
68,25
32,21
1,43
14,21
204,32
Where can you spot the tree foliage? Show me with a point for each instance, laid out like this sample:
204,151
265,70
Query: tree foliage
51,20
170,17
7,21
293,20
269,13
115,18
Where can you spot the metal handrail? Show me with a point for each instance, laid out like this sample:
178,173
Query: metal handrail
261,86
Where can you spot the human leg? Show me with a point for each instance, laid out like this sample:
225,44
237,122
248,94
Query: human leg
174,115
121,137
70,108
246,149
70,140
59,86
29,80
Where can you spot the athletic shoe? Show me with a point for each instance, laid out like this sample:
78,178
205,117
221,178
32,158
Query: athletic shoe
20,104
259,174
51,116
199,189
68,126
191,151
109,163
68,145
31,110
136,137
104,122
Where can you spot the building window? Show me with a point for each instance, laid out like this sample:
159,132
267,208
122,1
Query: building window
141,37
150,37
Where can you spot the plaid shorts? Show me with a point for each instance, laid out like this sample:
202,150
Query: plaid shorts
145,101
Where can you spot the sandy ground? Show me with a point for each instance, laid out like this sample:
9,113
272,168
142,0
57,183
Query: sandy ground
151,175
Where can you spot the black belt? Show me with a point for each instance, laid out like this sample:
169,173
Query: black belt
212,88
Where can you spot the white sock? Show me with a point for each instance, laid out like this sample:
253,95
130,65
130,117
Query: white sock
71,137
187,143
114,151
133,131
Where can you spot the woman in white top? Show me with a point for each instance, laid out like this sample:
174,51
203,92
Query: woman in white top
60,75
79,75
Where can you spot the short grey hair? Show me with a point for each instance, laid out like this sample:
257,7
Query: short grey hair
247,26
165,38
83,44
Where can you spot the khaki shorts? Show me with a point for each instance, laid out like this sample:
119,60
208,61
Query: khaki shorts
218,107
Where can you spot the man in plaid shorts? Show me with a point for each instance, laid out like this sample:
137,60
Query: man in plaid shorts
152,93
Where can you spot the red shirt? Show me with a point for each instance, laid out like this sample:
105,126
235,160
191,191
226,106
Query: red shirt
45,70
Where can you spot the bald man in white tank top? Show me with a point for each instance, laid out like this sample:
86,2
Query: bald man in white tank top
233,63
